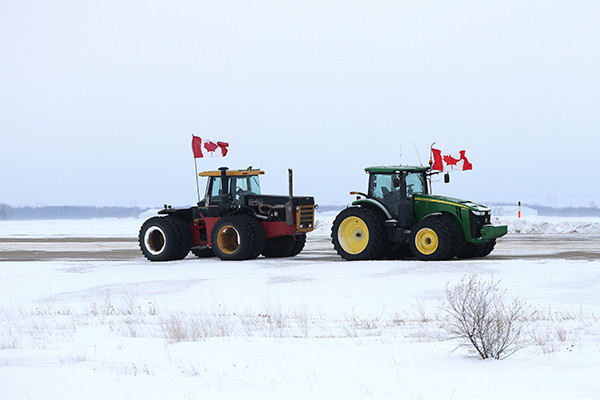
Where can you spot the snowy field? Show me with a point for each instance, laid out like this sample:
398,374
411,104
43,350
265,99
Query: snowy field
84,316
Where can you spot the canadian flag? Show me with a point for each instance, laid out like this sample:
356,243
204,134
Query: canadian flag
200,145
453,161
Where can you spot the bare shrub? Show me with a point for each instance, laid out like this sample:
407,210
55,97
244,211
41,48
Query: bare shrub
481,320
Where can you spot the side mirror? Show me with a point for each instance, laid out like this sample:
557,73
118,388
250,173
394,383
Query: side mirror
396,182
447,177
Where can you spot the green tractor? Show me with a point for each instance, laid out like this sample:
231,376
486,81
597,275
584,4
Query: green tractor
399,217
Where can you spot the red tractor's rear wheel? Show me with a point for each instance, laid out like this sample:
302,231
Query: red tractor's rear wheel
160,240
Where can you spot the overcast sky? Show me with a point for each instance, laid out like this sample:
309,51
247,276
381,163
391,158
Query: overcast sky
99,99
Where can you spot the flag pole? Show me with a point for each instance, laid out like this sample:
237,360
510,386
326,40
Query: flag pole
196,169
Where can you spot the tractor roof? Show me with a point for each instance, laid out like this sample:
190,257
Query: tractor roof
395,169
232,172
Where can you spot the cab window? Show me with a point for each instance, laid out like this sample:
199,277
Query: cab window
243,186
415,184
386,189
214,191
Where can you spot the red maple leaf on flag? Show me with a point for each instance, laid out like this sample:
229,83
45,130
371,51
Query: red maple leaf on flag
210,146
450,161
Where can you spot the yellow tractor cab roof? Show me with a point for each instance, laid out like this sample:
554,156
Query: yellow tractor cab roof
230,172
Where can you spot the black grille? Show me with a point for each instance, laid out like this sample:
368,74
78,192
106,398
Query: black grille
477,222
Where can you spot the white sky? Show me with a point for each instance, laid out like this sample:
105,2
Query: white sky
98,100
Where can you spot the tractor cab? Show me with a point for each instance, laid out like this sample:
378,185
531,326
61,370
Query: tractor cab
394,187
234,186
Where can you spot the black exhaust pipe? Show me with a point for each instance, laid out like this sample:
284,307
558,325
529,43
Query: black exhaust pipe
289,206
225,203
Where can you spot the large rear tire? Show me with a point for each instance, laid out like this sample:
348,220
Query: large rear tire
237,237
358,234
431,240
185,237
159,239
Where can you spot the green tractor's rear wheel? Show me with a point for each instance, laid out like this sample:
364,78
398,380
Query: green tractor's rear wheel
431,239
358,234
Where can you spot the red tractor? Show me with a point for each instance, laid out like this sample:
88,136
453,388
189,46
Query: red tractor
233,222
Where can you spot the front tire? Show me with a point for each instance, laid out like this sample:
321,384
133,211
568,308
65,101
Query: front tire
475,250
431,240
284,246
358,234
237,237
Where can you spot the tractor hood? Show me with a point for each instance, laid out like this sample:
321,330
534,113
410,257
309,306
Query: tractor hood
476,208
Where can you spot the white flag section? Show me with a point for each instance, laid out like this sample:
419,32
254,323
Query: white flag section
208,148
453,161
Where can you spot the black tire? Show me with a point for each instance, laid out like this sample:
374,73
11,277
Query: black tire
358,234
159,239
258,235
185,237
203,253
284,246
299,242
237,237
469,250
431,240
456,236
473,250
487,248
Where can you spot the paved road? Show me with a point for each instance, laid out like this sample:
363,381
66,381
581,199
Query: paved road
319,249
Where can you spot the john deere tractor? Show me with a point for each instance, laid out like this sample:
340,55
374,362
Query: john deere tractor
398,217
233,222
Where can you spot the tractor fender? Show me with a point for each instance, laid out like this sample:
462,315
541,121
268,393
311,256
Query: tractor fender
372,202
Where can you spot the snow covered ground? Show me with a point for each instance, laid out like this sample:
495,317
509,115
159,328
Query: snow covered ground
310,327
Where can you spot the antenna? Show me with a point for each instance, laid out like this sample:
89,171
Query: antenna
418,156
400,155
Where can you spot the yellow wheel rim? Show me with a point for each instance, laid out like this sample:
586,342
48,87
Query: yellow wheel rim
353,235
426,241
228,239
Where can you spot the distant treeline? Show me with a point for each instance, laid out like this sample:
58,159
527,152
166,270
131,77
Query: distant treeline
546,211
84,212
566,211
67,212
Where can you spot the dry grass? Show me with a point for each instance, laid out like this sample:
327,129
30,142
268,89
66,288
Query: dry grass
131,317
